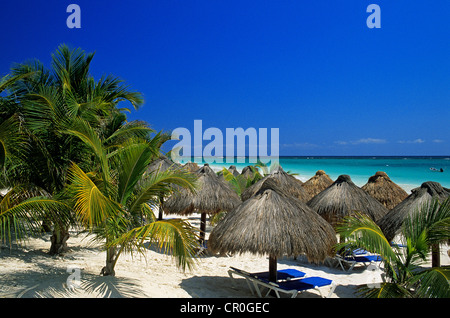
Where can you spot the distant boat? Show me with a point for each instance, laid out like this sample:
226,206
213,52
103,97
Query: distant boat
436,170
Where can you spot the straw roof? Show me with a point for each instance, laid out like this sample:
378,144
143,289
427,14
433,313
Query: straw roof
286,182
162,164
191,166
212,196
233,170
391,223
382,188
275,223
342,198
319,182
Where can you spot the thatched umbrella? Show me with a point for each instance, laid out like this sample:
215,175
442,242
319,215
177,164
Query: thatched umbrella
319,182
342,198
212,196
249,172
160,165
233,170
273,223
191,166
392,222
286,182
382,188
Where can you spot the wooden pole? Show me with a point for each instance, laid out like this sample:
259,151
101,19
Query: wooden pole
272,268
202,228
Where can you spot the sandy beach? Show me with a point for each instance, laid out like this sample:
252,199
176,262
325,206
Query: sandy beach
29,272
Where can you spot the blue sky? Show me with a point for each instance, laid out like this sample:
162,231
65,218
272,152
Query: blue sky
313,69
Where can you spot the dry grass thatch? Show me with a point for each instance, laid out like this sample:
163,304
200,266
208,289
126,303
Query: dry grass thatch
343,198
233,170
319,182
382,188
392,222
212,196
162,164
191,166
288,184
273,222
248,173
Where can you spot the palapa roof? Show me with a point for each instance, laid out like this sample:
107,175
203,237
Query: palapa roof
162,164
191,166
275,223
247,172
233,170
286,182
343,198
212,196
319,182
391,223
382,188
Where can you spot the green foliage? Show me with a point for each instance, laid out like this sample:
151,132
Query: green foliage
113,200
406,277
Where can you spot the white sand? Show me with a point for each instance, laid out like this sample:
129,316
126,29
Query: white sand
30,272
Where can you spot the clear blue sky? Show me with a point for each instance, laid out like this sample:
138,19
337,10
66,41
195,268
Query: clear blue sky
313,69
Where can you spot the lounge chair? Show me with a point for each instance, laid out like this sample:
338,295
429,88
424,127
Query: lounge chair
282,275
289,282
353,260
294,287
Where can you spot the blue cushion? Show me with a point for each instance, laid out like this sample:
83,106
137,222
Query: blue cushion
305,283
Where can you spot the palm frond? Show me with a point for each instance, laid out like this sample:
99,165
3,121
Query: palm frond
176,237
432,283
385,290
133,164
87,134
160,183
22,217
90,203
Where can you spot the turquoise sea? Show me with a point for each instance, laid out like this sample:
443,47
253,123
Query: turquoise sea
407,172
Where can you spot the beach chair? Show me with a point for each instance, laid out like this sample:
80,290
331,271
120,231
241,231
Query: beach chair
252,278
353,260
294,287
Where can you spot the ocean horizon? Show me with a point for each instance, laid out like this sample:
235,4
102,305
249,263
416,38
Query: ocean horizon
408,172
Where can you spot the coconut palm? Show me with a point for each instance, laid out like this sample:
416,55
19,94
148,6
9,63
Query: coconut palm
48,102
406,276
114,198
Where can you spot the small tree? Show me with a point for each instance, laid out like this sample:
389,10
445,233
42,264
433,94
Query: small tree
114,201
405,276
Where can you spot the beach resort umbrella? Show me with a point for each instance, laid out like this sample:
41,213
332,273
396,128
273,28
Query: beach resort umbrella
392,222
212,196
273,223
319,182
160,165
191,166
286,182
343,198
233,170
247,172
382,188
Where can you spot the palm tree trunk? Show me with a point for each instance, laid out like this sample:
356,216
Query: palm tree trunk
435,255
111,257
202,228
59,240
161,203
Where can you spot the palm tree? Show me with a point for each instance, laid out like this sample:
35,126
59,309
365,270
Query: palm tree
406,277
113,200
49,101
20,211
